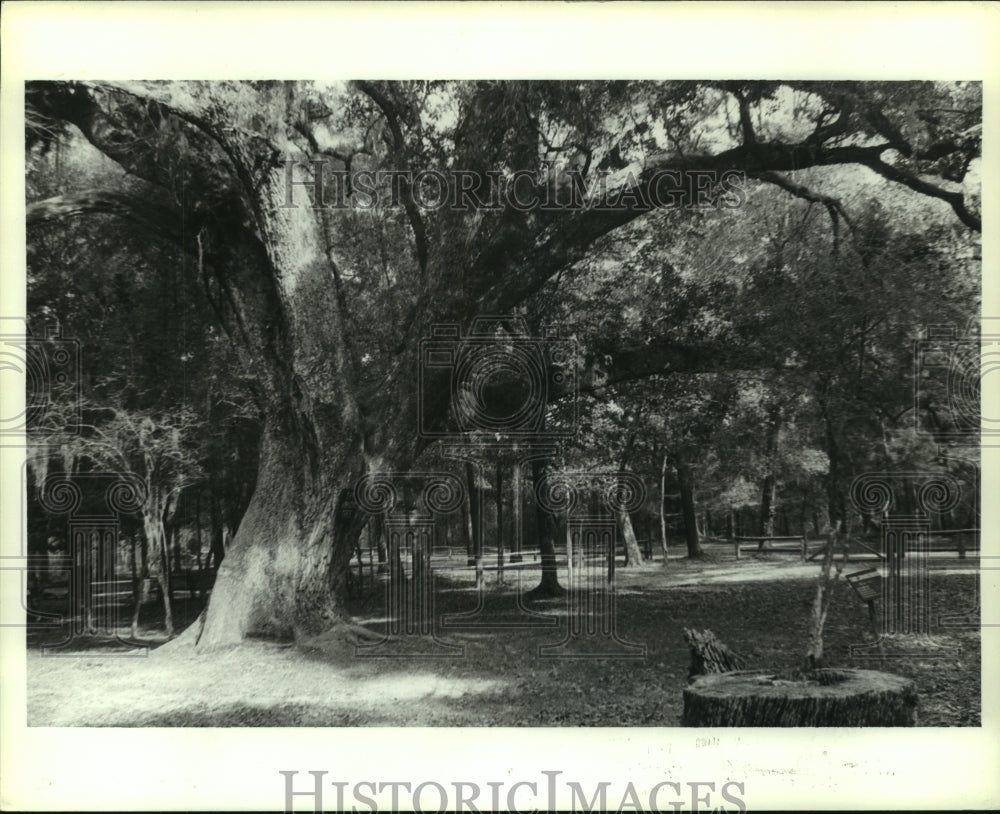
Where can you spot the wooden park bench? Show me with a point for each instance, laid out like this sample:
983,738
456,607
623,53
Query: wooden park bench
800,545
867,584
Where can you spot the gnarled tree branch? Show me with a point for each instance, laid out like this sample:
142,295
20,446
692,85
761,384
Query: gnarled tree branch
372,91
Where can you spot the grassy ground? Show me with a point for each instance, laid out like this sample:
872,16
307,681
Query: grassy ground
758,606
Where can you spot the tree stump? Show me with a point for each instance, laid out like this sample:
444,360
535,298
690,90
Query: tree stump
821,697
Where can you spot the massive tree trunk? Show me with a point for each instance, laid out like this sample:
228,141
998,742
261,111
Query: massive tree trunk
276,287
277,576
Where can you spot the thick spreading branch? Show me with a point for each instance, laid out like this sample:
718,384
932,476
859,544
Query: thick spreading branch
158,219
509,277
409,205
955,199
263,256
834,207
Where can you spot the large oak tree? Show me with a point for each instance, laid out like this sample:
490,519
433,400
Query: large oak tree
327,306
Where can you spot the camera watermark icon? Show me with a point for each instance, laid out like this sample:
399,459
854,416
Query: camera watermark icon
497,378
49,365
949,369
902,582
410,505
592,505
508,460
94,503
969,540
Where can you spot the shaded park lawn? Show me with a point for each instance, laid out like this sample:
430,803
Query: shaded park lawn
759,606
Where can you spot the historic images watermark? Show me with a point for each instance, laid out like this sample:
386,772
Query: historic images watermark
902,584
497,378
408,506
91,504
950,369
548,792
592,505
50,365
949,366
548,189
484,395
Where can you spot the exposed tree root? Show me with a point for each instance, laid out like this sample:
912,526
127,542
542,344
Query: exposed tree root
187,640
545,591
339,640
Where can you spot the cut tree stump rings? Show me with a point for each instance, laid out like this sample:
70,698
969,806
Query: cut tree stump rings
821,697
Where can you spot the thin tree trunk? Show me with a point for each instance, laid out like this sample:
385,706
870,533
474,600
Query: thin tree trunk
201,562
470,526
633,556
499,507
518,513
133,567
663,509
170,546
821,602
139,599
143,557
685,475
836,505
157,534
476,510
545,530
175,547
769,487
218,549
142,593
168,623
376,531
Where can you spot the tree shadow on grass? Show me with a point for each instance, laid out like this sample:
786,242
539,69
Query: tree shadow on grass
501,681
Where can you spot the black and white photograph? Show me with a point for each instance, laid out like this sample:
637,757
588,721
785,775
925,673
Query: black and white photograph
463,426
